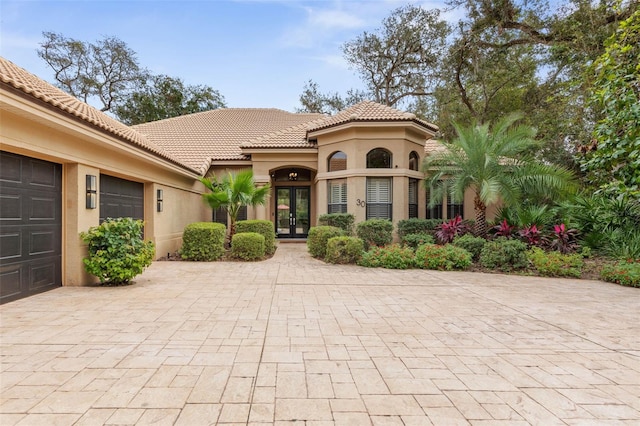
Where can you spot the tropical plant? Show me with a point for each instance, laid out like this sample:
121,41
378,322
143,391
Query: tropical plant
117,252
564,240
496,163
446,232
531,235
503,229
232,192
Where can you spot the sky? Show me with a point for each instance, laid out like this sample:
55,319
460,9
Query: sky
256,53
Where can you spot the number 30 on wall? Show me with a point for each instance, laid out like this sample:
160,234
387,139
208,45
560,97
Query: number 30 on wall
360,203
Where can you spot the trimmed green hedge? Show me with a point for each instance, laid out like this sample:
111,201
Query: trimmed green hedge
505,255
318,238
343,221
248,246
447,257
417,226
203,241
344,250
473,245
375,232
416,240
393,256
263,227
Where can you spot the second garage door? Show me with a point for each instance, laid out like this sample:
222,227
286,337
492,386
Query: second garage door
120,198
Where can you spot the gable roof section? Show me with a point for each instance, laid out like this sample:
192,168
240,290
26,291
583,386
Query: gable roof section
198,138
32,86
369,111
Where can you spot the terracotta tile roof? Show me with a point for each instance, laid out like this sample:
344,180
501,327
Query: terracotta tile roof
433,145
196,139
370,111
29,84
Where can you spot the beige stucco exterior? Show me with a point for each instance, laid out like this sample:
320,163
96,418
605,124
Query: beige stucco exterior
38,131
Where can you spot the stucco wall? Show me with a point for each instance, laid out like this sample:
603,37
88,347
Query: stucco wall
38,131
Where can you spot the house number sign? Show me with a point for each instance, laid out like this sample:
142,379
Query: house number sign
360,203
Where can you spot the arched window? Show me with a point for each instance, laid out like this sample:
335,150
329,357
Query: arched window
414,161
337,161
378,158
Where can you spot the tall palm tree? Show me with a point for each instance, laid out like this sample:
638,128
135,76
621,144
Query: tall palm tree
234,191
497,163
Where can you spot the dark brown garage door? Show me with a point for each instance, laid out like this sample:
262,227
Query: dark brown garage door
120,198
30,226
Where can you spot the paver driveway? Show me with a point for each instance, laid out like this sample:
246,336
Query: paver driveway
294,340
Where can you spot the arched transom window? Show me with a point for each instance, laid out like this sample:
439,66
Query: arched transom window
337,161
378,158
414,161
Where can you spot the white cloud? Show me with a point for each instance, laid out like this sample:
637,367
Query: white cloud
12,41
333,19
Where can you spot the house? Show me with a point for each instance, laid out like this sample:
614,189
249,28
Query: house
66,166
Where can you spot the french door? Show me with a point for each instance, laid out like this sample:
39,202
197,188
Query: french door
293,211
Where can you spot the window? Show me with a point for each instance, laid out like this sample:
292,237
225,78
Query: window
379,198
454,209
337,193
242,213
413,198
220,216
378,158
434,211
337,162
414,161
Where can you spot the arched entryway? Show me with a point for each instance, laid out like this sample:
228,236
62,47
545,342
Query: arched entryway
292,201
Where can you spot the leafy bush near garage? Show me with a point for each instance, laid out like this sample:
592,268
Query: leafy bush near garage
626,272
117,251
262,227
318,238
375,232
344,250
393,256
503,254
417,226
344,221
248,246
473,245
203,241
556,264
416,240
444,258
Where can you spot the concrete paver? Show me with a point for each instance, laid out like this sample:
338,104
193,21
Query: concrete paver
292,340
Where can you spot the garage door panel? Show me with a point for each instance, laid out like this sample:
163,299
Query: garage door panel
30,226
120,198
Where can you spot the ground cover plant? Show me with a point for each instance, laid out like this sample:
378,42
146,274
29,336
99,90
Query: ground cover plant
624,272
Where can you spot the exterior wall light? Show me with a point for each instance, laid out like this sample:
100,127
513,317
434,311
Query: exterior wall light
159,199
293,176
92,191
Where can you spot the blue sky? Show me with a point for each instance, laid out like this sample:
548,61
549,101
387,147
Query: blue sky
257,53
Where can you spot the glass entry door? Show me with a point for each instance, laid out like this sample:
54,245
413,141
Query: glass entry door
292,211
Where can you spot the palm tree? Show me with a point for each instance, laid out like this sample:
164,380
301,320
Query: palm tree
497,163
232,192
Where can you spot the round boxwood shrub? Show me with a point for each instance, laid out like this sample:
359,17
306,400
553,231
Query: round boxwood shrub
318,238
416,240
203,241
343,221
375,232
344,250
393,256
248,246
471,244
505,255
262,227
444,258
117,252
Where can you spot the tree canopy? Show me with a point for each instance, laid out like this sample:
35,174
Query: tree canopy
107,72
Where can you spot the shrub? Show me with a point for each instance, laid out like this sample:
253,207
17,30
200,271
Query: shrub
471,244
563,239
503,229
117,252
375,232
343,221
417,226
555,264
318,238
531,235
447,257
344,250
622,272
393,256
248,246
262,227
446,232
203,241
505,255
416,240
